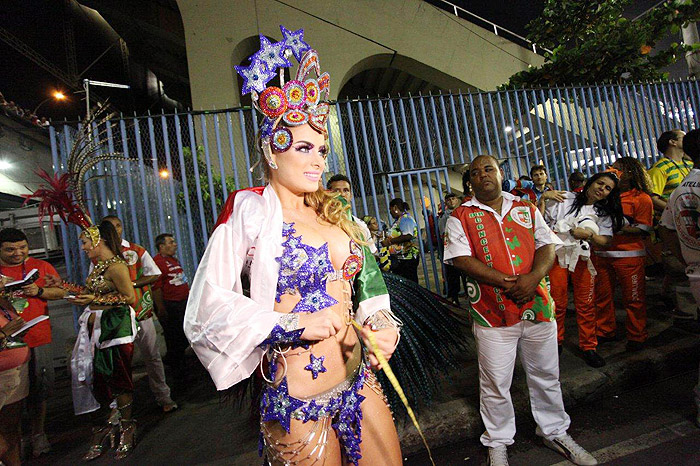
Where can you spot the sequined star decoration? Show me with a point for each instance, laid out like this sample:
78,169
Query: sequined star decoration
312,411
294,41
279,336
288,229
303,270
277,405
315,301
271,54
255,76
316,365
319,259
348,426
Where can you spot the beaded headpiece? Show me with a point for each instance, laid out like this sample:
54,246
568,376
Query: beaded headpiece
295,102
64,194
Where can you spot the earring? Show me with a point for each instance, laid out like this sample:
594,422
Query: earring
267,153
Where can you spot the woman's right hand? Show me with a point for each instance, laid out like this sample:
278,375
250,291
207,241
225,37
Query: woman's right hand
553,195
582,233
81,299
320,325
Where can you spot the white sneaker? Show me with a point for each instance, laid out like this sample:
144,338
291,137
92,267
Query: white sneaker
571,450
498,456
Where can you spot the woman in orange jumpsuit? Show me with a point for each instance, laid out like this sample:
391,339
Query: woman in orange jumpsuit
624,260
584,220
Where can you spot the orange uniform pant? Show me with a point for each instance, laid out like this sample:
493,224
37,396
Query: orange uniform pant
629,273
583,301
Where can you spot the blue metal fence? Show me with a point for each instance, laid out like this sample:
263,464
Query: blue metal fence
181,167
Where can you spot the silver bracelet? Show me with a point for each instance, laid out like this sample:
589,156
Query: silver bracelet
384,318
289,321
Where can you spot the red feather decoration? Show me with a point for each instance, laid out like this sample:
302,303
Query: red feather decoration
58,199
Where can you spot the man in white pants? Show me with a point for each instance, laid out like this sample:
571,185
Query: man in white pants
504,246
682,217
144,271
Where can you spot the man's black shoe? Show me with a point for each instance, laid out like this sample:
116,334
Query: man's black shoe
593,359
634,345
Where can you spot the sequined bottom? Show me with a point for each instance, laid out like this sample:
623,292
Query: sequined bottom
338,408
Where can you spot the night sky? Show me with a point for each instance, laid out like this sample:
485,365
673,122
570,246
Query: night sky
38,23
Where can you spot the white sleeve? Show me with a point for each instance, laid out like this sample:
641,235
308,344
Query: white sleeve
605,226
223,325
456,241
149,266
551,213
667,220
543,234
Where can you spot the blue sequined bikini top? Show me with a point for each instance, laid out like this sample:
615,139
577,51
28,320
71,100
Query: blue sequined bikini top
305,270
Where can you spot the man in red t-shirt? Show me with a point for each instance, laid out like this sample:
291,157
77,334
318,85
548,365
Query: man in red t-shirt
170,294
30,303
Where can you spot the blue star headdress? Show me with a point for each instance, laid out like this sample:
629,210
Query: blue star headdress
294,103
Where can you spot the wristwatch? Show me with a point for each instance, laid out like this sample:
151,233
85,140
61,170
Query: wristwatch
40,292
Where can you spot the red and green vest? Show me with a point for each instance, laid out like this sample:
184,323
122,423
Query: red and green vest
509,247
144,299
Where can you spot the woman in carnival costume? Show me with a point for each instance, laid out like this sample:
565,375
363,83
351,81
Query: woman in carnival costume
310,274
101,359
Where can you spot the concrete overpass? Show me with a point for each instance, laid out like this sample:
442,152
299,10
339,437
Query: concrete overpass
368,47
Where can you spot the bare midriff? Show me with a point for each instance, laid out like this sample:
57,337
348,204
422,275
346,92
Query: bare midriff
341,357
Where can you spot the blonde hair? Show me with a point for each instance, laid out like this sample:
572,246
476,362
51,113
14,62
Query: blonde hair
330,208
327,205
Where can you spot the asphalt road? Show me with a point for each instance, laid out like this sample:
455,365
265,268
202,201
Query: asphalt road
650,425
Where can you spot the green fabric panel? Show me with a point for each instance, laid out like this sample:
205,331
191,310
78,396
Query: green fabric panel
115,323
369,282
104,360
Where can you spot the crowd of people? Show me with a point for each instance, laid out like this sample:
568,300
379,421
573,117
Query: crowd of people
11,108
124,287
608,230
293,286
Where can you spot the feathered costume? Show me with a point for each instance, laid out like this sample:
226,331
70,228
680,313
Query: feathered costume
101,359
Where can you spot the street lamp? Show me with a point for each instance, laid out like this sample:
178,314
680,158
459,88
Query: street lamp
86,86
56,95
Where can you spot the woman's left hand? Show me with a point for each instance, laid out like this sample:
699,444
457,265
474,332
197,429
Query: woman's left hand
386,339
82,299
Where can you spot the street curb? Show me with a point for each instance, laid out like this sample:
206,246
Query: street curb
459,420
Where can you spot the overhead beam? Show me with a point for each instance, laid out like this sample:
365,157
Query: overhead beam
17,44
